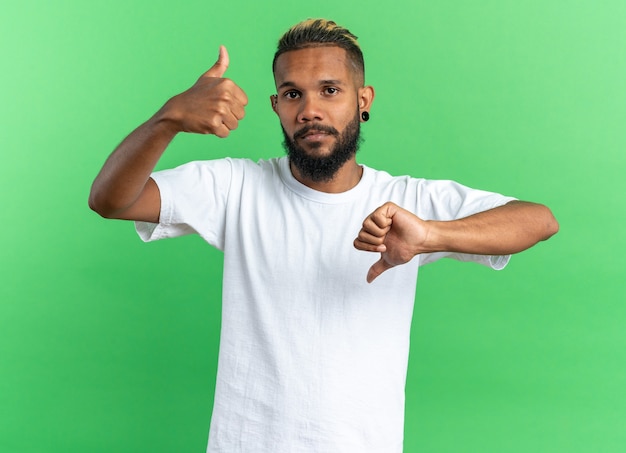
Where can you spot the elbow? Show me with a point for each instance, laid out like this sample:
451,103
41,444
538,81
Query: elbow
101,206
551,224
96,207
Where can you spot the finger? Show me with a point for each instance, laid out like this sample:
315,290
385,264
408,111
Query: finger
237,95
376,227
230,121
382,217
369,247
379,221
240,95
238,111
377,268
220,66
222,131
368,238
217,126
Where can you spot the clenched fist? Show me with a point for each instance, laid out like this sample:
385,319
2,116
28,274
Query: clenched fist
397,234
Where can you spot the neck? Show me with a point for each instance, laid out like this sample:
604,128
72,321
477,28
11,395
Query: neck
346,178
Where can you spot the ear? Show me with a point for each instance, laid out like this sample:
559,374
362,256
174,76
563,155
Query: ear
365,98
274,102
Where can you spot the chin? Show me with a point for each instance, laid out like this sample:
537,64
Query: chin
318,150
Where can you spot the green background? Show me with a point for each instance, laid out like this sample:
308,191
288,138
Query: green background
110,345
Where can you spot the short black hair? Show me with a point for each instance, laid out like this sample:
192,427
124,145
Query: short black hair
319,33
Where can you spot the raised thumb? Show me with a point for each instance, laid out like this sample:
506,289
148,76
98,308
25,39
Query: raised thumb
220,66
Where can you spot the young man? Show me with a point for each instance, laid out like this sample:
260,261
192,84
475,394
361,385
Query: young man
315,330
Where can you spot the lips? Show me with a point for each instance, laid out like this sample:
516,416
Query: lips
315,135
317,132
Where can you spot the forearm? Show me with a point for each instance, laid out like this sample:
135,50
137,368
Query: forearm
213,105
399,235
126,171
507,229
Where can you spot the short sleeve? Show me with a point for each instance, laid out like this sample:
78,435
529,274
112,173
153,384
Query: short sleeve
193,201
448,200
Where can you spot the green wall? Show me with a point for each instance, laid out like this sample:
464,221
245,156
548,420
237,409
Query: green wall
109,345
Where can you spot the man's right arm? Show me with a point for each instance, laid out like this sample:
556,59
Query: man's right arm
123,189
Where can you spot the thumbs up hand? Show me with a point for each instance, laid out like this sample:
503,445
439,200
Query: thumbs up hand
213,105
220,66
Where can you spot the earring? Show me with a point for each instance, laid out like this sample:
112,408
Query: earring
365,116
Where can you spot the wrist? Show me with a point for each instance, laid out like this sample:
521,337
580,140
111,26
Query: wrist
434,237
167,119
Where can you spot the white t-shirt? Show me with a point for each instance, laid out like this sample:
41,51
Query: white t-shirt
312,358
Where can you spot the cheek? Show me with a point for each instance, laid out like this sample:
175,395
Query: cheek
284,122
286,113
349,113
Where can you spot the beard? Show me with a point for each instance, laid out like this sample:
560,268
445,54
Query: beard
324,168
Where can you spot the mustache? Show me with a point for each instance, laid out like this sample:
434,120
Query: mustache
315,127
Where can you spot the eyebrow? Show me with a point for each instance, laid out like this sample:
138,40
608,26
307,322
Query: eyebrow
321,82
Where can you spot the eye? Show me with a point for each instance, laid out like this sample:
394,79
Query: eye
292,94
331,91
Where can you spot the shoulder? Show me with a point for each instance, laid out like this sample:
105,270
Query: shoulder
223,167
261,166
423,186
382,180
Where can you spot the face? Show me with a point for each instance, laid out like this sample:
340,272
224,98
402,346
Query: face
319,102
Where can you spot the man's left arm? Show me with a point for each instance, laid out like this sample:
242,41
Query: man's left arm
398,235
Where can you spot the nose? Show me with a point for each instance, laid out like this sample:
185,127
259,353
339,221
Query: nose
310,110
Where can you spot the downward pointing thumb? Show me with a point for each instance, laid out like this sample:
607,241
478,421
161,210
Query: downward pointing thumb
220,66
377,268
